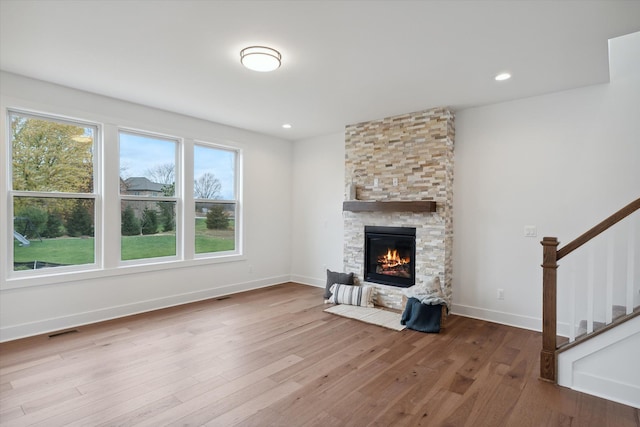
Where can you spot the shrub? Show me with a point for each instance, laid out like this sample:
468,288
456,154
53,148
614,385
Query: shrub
217,219
167,216
30,221
80,222
130,224
149,221
54,226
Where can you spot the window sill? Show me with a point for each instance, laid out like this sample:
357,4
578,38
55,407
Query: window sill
73,276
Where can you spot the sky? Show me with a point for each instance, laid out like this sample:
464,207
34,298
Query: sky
139,153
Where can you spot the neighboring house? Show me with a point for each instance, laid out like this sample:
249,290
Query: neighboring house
141,186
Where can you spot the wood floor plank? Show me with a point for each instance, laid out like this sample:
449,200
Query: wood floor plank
252,406
227,403
7,414
273,357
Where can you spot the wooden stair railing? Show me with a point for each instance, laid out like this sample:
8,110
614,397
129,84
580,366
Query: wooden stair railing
550,257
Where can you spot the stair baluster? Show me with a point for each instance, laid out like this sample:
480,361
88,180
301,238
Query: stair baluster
550,257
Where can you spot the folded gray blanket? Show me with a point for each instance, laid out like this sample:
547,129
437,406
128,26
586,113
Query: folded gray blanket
421,317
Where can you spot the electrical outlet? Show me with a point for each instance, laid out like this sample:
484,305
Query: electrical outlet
375,182
501,294
395,182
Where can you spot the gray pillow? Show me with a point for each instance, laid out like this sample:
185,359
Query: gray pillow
339,278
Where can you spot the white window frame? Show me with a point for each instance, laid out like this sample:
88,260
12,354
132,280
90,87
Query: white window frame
95,195
106,191
177,197
236,190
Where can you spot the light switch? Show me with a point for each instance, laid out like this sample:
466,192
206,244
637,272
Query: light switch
530,231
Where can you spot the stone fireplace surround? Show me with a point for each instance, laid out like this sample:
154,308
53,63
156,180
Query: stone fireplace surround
410,157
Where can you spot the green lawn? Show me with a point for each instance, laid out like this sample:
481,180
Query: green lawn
76,251
59,251
149,246
213,240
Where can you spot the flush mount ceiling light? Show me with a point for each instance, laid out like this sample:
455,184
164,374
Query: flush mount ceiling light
503,76
260,58
286,126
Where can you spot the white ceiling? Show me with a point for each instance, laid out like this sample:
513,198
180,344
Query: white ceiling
343,61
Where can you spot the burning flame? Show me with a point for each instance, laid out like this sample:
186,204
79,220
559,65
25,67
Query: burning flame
392,260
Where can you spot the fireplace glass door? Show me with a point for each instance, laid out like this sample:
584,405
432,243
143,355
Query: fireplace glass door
389,255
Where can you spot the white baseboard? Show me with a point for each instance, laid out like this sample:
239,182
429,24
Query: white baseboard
305,280
617,391
75,320
509,319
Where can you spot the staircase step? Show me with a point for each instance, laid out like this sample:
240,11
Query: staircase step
582,328
618,311
563,343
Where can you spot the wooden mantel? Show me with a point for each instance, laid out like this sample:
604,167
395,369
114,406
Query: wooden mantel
389,206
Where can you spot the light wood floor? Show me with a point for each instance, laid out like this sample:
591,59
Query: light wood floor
272,357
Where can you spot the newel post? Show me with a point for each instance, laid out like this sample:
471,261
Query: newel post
549,310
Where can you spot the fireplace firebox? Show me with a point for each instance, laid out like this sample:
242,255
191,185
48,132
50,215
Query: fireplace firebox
389,255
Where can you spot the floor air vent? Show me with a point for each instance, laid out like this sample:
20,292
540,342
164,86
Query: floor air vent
57,334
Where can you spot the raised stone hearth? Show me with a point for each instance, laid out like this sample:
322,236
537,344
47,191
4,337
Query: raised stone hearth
410,158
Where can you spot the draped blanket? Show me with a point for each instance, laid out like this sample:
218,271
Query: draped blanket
421,317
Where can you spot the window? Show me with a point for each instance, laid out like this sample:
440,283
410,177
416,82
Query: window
52,192
176,200
148,196
215,197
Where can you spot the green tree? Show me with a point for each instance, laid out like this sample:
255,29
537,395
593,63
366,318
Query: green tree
217,219
130,224
80,222
149,221
51,156
167,211
30,220
54,226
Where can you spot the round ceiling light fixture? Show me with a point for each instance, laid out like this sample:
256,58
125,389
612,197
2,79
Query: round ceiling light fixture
260,58
503,76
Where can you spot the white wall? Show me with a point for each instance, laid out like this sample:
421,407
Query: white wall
267,217
561,162
318,192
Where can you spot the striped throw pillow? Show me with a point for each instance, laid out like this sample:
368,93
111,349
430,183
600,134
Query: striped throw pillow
352,295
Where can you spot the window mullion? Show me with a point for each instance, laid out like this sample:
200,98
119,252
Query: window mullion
52,195
111,192
148,198
188,204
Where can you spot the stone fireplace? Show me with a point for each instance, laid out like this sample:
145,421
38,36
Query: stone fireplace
399,165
